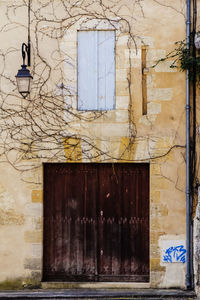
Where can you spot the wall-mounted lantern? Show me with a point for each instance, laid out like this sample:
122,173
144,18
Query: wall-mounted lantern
23,76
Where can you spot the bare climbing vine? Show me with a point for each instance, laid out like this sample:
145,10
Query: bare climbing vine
41,126
47,126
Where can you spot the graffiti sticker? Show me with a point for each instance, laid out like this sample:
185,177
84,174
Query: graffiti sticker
175,254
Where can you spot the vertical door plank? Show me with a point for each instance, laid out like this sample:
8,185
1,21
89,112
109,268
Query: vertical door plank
110,227
58,221
89,215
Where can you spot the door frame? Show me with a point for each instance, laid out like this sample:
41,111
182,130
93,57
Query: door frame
97,276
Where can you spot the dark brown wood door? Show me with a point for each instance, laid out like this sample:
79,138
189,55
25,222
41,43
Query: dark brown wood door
96,222
124,222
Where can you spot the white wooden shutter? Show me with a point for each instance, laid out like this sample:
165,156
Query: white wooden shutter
96,70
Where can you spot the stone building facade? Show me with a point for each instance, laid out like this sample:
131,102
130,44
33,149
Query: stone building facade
145,125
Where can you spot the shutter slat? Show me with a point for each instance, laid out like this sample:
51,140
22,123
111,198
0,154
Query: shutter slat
106,70
87,70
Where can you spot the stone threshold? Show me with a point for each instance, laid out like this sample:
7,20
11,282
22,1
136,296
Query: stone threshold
150,294
95,285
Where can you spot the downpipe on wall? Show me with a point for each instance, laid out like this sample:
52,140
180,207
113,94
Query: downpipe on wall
189,276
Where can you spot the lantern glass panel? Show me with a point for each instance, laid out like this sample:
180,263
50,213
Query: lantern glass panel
24,85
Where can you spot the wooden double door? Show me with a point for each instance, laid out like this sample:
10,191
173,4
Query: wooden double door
96,222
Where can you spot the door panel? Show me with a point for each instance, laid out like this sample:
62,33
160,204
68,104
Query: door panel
96,222
69,222
124,223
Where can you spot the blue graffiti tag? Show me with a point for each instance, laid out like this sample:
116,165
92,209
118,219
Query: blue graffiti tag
175,254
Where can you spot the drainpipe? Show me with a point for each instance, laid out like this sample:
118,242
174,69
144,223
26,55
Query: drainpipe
189,276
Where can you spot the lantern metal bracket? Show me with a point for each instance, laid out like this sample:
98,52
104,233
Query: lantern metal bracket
23,76
26,50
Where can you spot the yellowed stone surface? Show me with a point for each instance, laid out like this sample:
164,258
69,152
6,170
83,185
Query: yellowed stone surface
123,134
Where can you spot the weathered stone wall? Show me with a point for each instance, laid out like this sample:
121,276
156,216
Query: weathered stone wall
197,244
124,134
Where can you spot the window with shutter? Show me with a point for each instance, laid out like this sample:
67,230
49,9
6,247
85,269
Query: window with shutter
96,70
